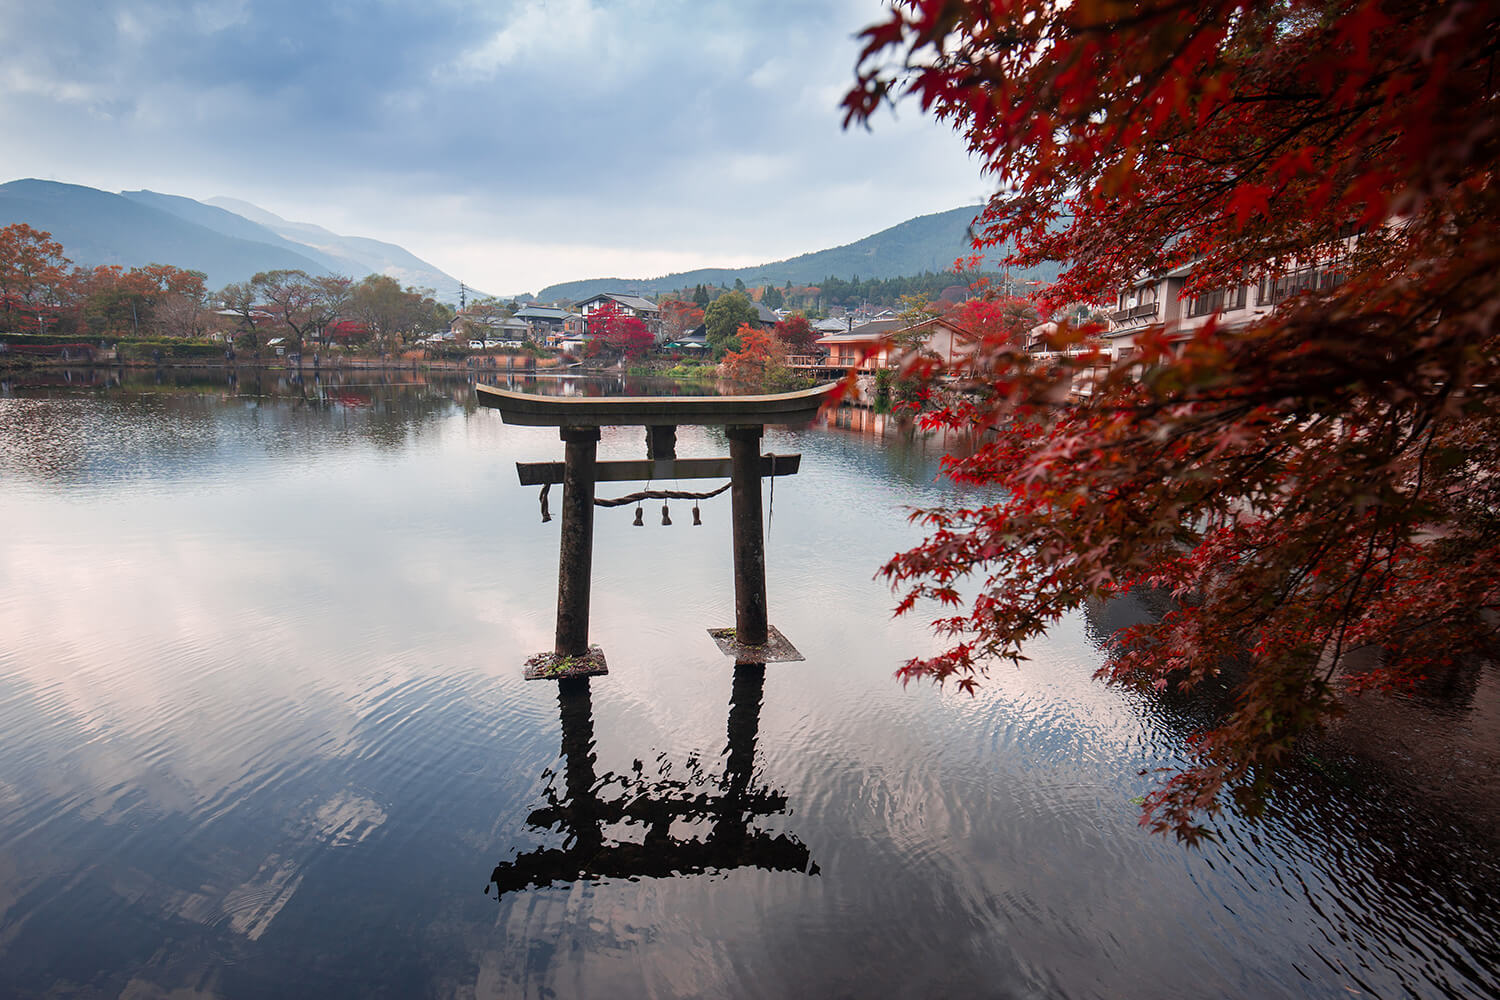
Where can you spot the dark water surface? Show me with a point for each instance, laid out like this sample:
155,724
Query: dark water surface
265,734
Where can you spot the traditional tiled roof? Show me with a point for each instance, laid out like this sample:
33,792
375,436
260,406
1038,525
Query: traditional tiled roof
628,299
542,312
864,333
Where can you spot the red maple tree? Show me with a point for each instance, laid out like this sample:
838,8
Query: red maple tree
679,317
797,333
618,332
1318,482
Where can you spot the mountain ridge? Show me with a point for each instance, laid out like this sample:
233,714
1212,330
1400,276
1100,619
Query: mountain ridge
925,243
135,228
378,256
100,228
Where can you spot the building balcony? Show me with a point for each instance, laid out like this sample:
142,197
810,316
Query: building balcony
1145,312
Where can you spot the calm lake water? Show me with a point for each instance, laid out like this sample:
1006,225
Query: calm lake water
266,734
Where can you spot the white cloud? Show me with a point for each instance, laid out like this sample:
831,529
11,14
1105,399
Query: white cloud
18,81
541,31
212,16
755,168
131,26
770,73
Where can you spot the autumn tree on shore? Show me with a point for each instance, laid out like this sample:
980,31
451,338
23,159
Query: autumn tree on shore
679,317
760,361
168,301
394,315
33,275
154,300
797,333
1319,482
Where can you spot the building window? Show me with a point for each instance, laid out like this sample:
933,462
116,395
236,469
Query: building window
1276,290
1219,300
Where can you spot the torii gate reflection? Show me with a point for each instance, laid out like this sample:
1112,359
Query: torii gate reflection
732,807
728,807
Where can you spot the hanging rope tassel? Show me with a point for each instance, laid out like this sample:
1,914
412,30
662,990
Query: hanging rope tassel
697,517
666,518
546,514
658,495
638,522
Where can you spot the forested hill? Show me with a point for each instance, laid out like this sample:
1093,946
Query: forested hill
96,227
926,243
227,242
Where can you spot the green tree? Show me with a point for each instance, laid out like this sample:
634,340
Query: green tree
723,318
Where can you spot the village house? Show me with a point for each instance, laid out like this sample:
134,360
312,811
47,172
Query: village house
544,323
868,346
1158,300
638,306
885,343
487,327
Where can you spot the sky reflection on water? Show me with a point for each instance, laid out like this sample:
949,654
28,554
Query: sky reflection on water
267,735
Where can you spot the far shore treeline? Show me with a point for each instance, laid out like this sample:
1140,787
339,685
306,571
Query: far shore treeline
44,295
45,298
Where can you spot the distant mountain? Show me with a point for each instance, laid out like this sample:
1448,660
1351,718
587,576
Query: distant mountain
227,240
356,255
926,243
97,228
238,226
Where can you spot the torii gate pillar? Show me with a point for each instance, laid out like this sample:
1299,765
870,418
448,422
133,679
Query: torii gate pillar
750,621
575,561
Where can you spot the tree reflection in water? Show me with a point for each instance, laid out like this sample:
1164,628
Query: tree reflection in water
721,810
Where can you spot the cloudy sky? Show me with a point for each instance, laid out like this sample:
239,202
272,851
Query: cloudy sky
512,143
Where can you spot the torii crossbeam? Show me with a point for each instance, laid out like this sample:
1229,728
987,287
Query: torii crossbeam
578,418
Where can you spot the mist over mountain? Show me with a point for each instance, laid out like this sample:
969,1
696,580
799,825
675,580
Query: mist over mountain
236,225
356,255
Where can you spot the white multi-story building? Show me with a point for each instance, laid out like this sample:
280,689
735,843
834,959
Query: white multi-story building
1159,300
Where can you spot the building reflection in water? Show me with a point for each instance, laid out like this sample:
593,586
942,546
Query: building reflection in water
719,813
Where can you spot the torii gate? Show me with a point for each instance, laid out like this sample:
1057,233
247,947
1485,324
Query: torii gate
578,418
